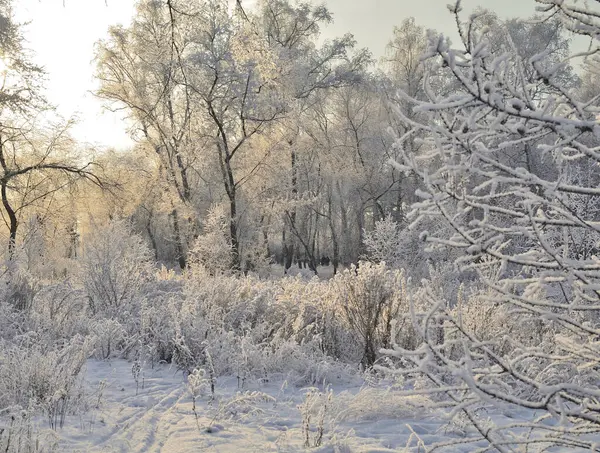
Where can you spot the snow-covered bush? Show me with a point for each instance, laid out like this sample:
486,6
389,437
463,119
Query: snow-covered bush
383,242
212,249
56,312
18,286
371,297
238,325
314,410
506,327
247,327
43,378
115,264
59,312
402,248
314,314
46,250
109,335
12,321
213,315
19,433
156,328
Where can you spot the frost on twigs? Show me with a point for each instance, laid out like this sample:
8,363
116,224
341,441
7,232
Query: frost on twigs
114,266
512,172
371,296
20,433
212,250
314,411
42,378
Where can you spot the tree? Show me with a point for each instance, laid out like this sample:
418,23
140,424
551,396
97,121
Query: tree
35,162
19,78
403,57
516,226
205,85
310,75
404,70
140,69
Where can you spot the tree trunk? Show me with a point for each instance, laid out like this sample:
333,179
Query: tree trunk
13,222
345,233
334,240
230,189
369,354
399,213
265,235
12,216
151,235
287,251
233,233
178,244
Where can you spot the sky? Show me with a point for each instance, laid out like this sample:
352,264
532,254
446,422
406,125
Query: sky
62,33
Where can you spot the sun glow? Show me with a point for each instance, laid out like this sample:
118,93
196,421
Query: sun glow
67,62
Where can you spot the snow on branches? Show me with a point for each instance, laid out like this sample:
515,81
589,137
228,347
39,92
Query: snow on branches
511,166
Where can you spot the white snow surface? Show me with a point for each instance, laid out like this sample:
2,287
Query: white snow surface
359,418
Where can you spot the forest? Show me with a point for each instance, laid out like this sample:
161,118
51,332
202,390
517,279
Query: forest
306,248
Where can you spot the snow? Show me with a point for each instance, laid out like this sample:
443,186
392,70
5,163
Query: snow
324,272
160,417
261,417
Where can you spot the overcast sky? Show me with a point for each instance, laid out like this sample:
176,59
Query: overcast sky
372,21
63,37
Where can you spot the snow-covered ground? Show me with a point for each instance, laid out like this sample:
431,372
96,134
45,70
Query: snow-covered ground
324,272
260,417
157,414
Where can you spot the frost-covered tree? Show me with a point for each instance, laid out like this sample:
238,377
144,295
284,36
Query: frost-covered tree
371,297
36,160
37,163
20,78
508,163
212,250
209,89
383,243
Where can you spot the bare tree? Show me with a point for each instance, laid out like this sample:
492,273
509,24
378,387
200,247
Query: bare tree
34,162
34,165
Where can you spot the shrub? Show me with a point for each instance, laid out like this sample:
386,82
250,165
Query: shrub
59,312
43,377
114,266
19,433
371,297
212,249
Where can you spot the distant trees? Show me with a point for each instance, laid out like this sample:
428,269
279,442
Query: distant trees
19,77
241,109
34,165
203,83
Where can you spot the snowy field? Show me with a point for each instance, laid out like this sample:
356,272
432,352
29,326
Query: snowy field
158,416
259,417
